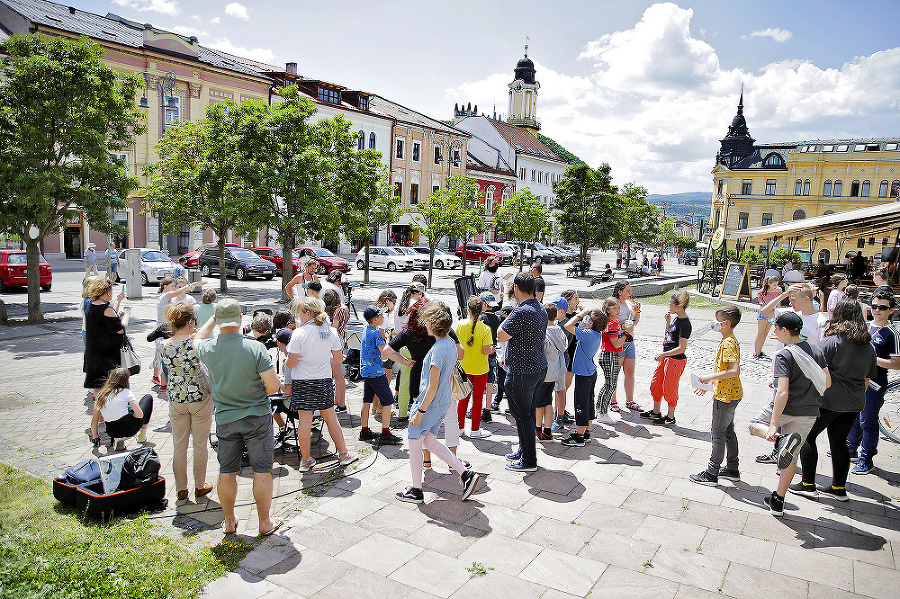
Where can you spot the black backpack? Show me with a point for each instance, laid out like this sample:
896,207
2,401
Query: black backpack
140,468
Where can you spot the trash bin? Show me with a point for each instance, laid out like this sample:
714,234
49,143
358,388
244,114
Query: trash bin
465,288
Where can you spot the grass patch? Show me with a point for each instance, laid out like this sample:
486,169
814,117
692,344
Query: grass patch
477,569
46,550
696,301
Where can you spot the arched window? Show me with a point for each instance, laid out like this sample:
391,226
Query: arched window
895,188
799,214
489,200
372,140
798,187
827,212
825,255
774,160
718,214
838,186
361,141
826,191
864,191
854,189
883,189
806,187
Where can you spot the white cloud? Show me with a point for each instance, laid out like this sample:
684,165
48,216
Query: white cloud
189,31
238,11
195,17
260,54
658,100
779,35
215,20
166,7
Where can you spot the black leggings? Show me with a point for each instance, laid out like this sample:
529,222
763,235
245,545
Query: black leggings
128,425
838,425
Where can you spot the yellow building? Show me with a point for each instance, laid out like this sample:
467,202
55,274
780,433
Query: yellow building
760,184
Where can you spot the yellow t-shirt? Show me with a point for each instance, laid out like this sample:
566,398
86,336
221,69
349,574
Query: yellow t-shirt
474,361
728,390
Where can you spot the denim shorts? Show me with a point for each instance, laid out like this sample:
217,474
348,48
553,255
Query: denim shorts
253,431
492,368
628,351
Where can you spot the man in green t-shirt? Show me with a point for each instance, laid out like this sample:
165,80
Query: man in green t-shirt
242,376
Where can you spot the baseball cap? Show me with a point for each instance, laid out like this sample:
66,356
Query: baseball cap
489,298
790,321
561,303
372,311
228,313
283,336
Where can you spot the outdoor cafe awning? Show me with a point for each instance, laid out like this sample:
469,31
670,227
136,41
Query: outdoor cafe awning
862,222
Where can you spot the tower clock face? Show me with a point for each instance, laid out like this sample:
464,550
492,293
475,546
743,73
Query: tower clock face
518,86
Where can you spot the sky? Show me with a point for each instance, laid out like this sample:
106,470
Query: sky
649,88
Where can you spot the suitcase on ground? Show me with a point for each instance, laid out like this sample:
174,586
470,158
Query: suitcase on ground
65,485
92,501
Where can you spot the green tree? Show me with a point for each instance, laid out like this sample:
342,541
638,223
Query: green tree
780,256
685,242
666,236
200,178
434,219
639,221
749,256
62,113
525,218
468,215
586,207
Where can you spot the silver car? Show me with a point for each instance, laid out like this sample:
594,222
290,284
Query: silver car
419,261
155,266
386,257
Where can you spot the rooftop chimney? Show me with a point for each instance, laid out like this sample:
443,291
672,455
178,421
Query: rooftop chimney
291,68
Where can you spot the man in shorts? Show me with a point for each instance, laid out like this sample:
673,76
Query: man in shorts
242,377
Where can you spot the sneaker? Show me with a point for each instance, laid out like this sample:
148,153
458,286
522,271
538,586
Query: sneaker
587,436
863,466
573,440
120,445
651,415
520,467
402,419
163,388
728,474
306,465
763,356
838,493
663,421
788,446
495,407
705,478
514,456
340,409
469,480
557,427
389,439
486,415
776,504
614,406
368,435
804,489
633,406
542,436
411,495
769,458
480,434
568,418
606,419
142,436
348,457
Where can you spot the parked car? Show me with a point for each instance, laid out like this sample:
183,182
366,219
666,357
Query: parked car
155,266
13,270
569,254
192,257
326,259
507,253
387,257
542,252
419,261
239,262
442,259
688,258
477,252
273,255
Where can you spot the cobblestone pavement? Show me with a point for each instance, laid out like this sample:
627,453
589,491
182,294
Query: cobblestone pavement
617,517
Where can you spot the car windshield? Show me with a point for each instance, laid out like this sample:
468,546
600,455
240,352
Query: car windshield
244,254
20,258
323,253
540,246
154,257
407,250
294,253
392,251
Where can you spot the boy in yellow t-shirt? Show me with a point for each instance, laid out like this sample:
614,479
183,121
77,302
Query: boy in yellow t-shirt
728,393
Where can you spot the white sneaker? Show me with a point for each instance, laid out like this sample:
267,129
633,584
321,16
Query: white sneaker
480,434
606,419
142,436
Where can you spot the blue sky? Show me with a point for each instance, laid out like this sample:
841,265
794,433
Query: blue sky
648,87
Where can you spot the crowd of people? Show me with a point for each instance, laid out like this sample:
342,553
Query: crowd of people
829,374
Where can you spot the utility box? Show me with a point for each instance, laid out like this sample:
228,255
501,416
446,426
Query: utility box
132,273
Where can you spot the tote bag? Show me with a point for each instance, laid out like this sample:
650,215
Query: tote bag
129,359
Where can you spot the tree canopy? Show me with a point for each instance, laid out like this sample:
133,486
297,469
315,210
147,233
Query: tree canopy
434,219
587,207
525,218
62,113
639,222
462,194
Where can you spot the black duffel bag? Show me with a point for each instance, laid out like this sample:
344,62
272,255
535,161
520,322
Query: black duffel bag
140,468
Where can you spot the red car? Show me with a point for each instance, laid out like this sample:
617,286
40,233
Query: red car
326,259
12,270
194,257
478,252
274,255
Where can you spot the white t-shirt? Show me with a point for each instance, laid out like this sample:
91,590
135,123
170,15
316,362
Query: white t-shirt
489,281
314,345
326,286
794,276
117,406
814,325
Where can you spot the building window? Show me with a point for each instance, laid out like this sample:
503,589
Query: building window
825,256
417,151
540,176
747,187
435,188
329,95
838,187
721,184
363,103
533,175
766,219
456,157
372,140
798,187
799,214
864,190
489,200
437,155
774,161
523,173
883,189
895,188
718,214
743,219
861,242
854,189
398,190
826,191
827,212
413,194
806,187
770,187
173,110
361,141
399,153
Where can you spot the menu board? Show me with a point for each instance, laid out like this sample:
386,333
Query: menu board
737,281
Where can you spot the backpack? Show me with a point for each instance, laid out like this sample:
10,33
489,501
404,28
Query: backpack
85,471
140,468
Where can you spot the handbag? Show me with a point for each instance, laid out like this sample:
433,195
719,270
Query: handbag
140,468
460,385
129,359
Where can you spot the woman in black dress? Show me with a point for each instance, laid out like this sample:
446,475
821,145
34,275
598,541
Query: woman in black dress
104,334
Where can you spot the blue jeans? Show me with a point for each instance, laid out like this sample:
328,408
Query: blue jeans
865,428
520,392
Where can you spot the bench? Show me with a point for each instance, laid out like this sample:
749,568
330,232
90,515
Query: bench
757,274
636,272
577,270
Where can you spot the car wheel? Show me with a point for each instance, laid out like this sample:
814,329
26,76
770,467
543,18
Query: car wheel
46,287
361,264
391,266
270,277
204,270
322,269
144,279
439,264
3,286
240,273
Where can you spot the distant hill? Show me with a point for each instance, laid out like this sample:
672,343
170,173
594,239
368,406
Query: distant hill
559,150
681,204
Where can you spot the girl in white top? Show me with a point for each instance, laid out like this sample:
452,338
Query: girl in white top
123,414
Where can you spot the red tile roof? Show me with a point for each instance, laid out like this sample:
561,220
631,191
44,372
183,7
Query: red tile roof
523,140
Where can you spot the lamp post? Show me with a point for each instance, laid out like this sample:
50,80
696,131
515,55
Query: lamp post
165,88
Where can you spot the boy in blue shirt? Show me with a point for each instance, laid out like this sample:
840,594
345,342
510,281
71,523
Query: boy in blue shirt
592,323
375,381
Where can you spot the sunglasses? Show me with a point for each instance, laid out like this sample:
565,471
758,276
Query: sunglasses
880,307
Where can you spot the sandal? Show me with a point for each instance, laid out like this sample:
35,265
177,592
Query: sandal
633,406
427,464
614,406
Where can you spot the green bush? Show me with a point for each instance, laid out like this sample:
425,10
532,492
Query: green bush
716,256
752,257
780,256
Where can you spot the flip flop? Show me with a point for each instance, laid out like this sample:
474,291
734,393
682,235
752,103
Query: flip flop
225,523
278,523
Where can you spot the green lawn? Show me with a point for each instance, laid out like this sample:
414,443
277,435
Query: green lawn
48,550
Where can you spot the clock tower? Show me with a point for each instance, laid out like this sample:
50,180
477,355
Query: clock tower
523,96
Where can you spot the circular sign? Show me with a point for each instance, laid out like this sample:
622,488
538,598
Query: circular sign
718,238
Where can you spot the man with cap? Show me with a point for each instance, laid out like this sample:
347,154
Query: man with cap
242,377
90,261
375,382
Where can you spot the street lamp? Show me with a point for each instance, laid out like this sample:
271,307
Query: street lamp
165,88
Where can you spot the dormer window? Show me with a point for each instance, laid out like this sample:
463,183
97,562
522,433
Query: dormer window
332,96
363,103
774,161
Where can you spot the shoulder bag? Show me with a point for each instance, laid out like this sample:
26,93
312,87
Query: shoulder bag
129,358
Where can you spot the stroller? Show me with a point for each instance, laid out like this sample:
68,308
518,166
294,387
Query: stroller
355,331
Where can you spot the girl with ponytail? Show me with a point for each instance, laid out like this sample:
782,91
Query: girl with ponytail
477,342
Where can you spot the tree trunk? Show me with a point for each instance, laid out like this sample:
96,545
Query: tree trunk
366,272
521,257
464,257
3,316
431,248
33,265
223,284
287,262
